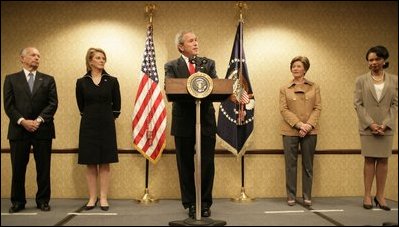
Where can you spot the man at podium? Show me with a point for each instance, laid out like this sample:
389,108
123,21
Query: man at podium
183,126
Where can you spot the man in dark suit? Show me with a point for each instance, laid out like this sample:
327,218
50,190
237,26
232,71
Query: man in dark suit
30,101
183,127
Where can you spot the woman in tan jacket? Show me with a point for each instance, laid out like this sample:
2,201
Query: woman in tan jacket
376,104
300,106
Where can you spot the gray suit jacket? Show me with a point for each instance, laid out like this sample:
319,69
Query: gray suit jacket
20,102
369,109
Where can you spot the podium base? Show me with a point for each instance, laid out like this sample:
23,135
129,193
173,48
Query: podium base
194,222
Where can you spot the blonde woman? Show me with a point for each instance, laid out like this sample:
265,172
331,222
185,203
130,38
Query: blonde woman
99,101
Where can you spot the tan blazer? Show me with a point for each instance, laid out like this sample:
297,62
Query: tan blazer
369,109
299,103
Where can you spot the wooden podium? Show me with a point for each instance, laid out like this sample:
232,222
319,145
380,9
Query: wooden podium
177,90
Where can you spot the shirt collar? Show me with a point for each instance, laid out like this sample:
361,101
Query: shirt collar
27,72
104,73
292,83
185,59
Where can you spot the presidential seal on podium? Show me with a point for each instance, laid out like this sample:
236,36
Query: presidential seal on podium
199,85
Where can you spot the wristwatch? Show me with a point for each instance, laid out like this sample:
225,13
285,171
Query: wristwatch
39,120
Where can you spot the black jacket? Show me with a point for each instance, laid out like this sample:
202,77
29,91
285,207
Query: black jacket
183,112
20,102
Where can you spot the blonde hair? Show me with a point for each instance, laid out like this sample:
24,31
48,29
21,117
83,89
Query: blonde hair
89,56
303,59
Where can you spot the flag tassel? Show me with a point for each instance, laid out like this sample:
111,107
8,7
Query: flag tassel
149,137
241,114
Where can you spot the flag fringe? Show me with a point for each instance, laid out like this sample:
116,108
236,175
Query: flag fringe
230,148
153,161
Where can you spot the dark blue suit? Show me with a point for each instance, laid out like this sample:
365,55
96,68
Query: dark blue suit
183,129
20,102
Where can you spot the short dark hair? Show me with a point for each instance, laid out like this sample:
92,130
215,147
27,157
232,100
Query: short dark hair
381,52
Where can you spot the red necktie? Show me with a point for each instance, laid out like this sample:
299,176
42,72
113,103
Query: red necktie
191,68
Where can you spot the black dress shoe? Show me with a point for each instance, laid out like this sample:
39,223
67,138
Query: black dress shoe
378,204
91,207
104,208
206,212
44,207
191,211
16,208
367,206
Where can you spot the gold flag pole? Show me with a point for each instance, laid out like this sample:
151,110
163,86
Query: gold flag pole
147,198
243,197
149,10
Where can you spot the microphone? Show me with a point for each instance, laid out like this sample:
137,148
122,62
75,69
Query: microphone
193,59
204,60
198,60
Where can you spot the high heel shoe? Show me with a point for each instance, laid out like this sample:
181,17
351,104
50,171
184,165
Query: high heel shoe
91,207
367,206
307,202
104,208
378,204
291,202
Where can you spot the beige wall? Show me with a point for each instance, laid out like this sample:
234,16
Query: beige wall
334,175
334,35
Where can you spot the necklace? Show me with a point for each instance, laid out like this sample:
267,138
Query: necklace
377,79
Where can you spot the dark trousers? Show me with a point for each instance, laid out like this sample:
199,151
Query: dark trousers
20,150
185,150
308,147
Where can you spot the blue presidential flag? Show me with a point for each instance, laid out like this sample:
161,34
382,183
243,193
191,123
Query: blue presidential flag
236,115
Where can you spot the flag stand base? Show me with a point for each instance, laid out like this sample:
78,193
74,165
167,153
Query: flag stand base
243,197
201,222
147,198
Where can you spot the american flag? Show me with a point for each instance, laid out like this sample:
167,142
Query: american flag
244,99
149,114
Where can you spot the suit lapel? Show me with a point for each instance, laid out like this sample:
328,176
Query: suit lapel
182,68
371,87
38,82
386,85
23,82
